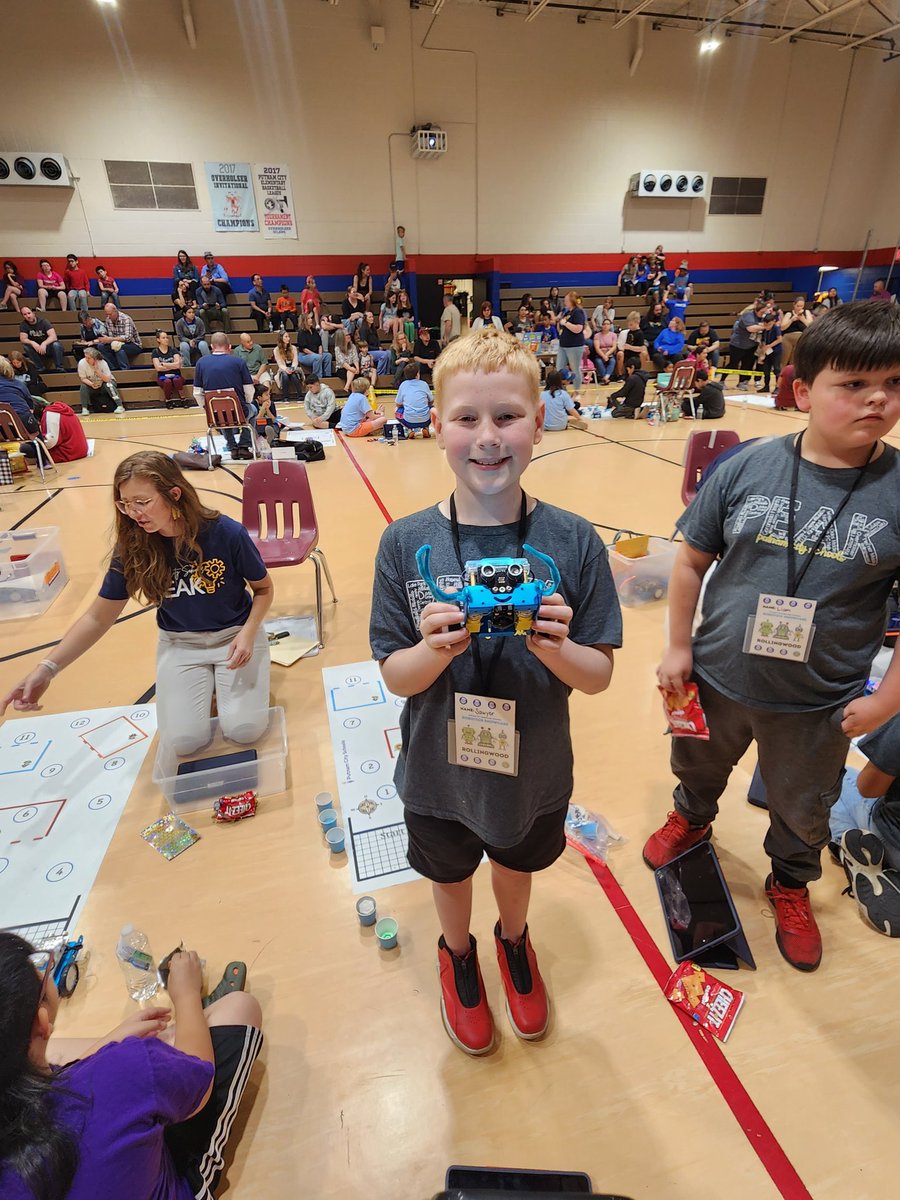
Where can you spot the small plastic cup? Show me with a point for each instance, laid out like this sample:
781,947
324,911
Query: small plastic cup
335,839
327,819
386,932
366,910
324,800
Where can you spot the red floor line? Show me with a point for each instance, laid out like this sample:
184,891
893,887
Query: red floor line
758,1134
364,477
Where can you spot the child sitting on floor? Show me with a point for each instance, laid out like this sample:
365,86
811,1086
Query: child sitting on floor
357,418
320,404
558,405
414,401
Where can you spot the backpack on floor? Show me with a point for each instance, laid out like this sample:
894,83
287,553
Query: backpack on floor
309,450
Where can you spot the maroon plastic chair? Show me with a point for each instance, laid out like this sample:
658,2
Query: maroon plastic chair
700,449
13,430
224,411
279,514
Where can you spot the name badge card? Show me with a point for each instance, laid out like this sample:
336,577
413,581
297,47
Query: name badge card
782,628
483,735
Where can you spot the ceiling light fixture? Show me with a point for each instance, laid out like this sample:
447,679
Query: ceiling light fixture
709,44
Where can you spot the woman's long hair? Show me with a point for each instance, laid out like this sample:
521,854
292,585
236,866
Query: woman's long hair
149,558
43,1154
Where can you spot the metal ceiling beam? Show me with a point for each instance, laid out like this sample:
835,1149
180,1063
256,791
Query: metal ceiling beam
638,8
871,37
715,22
542,4
826,16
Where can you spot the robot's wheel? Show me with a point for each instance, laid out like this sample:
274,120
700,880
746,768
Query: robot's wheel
69,981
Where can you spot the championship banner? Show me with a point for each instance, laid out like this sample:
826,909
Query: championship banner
274,185
231,197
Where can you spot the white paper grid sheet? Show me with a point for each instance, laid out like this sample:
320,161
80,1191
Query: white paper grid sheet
364,719
64,782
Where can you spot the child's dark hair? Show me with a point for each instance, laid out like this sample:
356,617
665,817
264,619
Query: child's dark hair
554,381
284,287
99,267
860,336
411,371
311,379
702,376
43,1154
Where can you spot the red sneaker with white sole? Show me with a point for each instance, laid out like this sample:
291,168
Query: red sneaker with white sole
527,1005
676,836
464,1008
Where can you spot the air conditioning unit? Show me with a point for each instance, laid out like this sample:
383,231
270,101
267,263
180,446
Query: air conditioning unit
679,184
34,168
428,141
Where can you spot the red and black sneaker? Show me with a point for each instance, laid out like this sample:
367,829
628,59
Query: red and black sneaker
797,935
464,1007
527,1005
676,836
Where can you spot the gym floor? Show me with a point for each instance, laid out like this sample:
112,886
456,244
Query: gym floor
358,1091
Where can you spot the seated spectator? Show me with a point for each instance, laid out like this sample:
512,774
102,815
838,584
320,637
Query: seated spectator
676,306
27,374
221,371
403,356
604,345
310,298
668,346
524,322
78,284
654,321
368,336
559,408
830,299
191,334
414,401
287,366
879,291
62,433
486,317
527,302
704,341
627,277
357,418
167,365
267,422
393,284
121,336
605,311
346,359
870,798
328,326
130,1114
554,302
784,396
212,306
425,351
366,362
641,277
286,309
309,348
90,331
217,274
260,301
362,283
98,390
544,325
320,404
14,393
632,346
185,269
388,316
49,281
406,314
627,401
256,359
12,286
109,289
451,322
182,296
710,398
39,338
768,354
352,311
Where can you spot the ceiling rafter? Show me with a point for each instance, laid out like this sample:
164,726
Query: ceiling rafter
870,37
826,16
633,12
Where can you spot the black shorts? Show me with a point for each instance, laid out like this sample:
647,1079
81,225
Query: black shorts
449,852
197,1145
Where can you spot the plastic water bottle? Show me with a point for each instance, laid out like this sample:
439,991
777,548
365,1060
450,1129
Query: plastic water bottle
136,960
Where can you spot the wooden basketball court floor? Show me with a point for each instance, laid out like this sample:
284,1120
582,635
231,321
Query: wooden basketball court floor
358,1091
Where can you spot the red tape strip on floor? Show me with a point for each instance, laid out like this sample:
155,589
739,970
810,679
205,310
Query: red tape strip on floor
747,1115
364,477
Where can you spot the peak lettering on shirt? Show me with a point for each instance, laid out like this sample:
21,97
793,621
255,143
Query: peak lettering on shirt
772,514
202,580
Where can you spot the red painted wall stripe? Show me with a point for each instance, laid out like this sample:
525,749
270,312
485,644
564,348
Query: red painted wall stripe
766,1146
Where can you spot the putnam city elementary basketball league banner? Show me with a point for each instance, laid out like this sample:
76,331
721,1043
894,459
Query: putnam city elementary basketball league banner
231,197
274,185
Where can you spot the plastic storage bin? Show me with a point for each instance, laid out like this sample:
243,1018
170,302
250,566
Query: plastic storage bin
643,580
190,792
32,572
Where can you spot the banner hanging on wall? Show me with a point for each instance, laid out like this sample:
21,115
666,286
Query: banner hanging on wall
231,197
274,185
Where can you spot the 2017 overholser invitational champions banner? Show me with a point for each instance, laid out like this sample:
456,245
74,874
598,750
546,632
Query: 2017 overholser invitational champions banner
231,196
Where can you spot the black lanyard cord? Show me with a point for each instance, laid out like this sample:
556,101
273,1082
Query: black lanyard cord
793,578
485,678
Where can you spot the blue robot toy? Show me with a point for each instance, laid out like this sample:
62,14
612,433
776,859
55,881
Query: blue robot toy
500,598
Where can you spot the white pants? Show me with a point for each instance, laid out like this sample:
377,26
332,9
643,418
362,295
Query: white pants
189,667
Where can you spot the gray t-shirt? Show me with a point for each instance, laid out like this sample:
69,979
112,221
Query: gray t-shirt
740,514
498,809
882,747
740,335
